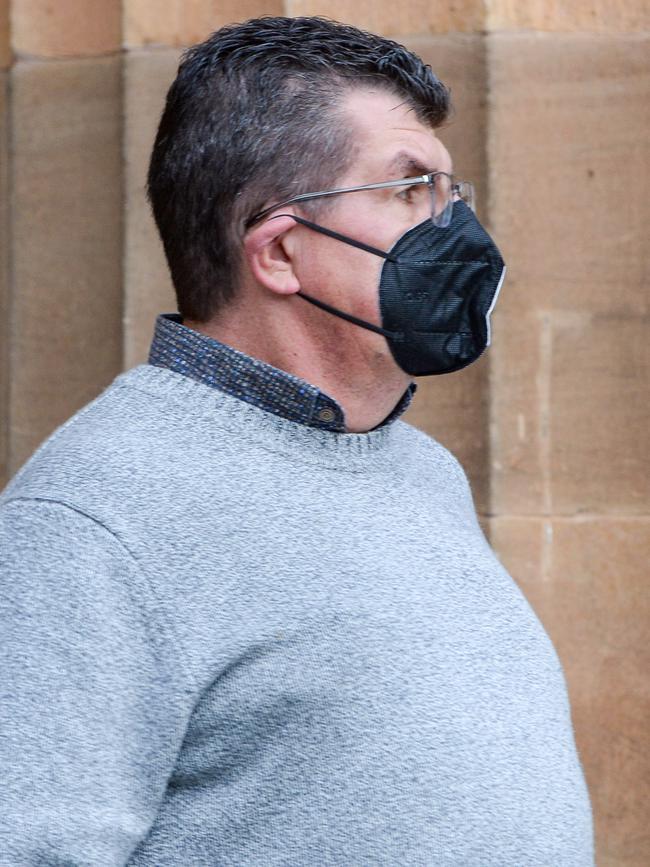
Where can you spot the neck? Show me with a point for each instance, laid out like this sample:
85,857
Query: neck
360,375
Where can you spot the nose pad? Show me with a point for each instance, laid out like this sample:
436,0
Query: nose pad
443,219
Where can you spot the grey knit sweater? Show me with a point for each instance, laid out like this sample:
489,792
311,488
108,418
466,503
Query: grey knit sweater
232,639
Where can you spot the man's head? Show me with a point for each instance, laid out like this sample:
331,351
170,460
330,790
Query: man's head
261,112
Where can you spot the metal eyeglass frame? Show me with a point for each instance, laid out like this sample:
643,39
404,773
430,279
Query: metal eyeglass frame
444,217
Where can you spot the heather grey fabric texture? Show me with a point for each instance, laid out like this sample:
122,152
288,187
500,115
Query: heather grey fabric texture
232,639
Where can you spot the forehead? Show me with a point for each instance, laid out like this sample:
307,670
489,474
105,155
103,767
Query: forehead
391,138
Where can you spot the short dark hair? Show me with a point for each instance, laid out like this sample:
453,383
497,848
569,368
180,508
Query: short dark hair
254,116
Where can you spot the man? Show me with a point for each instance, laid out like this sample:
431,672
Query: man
249,614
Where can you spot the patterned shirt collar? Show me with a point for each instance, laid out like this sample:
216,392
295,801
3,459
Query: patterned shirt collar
185,351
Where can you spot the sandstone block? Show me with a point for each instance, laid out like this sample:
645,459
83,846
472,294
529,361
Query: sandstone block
593,16
67,284
177,23
570,413
148,288
568,154
586,578
520,394
411,17
600,413
66,28
520,543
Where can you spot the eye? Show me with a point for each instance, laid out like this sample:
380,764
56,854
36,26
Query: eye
408,194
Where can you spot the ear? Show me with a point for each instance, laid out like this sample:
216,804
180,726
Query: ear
269,252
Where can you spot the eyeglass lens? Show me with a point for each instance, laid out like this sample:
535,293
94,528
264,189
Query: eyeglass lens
444,192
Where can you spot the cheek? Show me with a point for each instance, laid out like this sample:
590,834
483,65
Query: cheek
350,277
338,273
360,280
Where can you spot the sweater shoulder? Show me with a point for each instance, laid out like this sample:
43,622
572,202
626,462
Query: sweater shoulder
122,438
430,452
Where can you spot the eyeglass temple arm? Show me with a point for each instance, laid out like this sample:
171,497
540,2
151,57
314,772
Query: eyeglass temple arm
422,179
402,182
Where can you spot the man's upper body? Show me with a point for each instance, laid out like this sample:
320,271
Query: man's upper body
234,637
249,616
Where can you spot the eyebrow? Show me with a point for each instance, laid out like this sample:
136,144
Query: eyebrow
407,165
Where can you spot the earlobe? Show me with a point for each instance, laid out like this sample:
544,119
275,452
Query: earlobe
269,255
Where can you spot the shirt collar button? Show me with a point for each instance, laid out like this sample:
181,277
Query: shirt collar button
326,414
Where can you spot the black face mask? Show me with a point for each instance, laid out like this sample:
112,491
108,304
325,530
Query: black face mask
436,292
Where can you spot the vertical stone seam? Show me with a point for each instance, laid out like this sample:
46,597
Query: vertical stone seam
9,325
8,355
544,388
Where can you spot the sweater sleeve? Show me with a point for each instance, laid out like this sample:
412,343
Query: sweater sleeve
93,706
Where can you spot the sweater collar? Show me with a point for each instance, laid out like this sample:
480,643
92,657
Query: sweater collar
185,351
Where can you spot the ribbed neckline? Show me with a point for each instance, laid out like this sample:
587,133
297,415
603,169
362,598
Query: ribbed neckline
269,430
198,356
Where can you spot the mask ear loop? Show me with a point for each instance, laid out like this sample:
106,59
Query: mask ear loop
393,335
398,336
338,237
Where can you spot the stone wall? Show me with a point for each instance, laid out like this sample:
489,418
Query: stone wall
552,425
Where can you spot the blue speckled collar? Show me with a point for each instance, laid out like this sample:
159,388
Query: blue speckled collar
186,351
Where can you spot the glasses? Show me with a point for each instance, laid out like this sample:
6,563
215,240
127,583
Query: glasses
436,191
